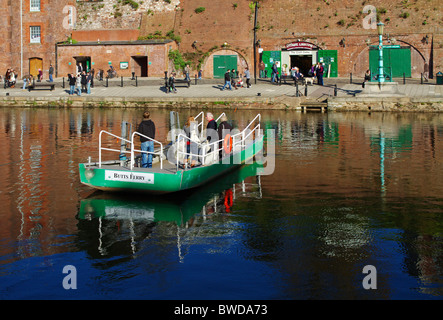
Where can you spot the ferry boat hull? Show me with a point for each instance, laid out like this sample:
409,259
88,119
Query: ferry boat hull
117,178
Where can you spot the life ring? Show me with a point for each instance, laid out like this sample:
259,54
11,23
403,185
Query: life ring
228,200
227,147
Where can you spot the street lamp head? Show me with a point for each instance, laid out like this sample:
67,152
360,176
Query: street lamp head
380,27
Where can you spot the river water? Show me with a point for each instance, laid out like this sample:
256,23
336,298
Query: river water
348,191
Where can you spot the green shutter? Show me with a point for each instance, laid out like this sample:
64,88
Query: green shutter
268,58
329,58
223,63
395,60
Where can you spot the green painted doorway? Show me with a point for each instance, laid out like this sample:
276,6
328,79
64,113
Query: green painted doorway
396,59
268,58
223,63
329,58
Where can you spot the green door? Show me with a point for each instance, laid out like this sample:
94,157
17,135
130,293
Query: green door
395,59
268,58
223,63
329,59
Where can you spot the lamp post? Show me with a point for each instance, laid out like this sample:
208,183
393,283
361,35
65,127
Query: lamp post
381,77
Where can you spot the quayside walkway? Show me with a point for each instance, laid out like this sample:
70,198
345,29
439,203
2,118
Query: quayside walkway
153,90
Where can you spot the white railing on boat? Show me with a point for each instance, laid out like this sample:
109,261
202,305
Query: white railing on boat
125,151
238,139
147,152
100,148
200,124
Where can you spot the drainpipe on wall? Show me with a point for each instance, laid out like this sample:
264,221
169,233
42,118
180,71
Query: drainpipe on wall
255,42
21,38
56,57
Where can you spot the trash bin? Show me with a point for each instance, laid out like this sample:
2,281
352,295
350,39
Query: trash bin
439,78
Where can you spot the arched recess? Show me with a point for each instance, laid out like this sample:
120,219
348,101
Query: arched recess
208,64
362,61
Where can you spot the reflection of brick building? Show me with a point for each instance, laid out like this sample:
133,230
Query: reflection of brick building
41,23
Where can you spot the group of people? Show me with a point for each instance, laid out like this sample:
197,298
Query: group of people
234,79
80,82
213,132
317,70
10,78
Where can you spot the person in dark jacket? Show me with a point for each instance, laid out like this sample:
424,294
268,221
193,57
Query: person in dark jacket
227,80
211,129
147,129
84,81
71,80
172,83
89,78
319,72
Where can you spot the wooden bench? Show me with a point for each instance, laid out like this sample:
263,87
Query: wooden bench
187,82
35,85
291,81
177,81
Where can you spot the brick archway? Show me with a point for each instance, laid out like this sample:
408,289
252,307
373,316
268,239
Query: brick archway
417,59
208,64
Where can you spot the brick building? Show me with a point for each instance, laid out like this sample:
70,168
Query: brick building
29,31
220,34
301,32
100,49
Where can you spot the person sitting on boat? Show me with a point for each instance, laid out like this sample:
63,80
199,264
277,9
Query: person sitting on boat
191,132
211,128
147,128
224,129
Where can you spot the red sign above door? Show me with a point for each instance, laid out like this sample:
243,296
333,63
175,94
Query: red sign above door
300,45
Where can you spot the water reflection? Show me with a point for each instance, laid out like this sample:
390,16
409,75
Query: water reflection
348,190
124,222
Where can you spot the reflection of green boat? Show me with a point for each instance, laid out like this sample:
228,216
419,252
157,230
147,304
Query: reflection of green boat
114,225
178,209
169,176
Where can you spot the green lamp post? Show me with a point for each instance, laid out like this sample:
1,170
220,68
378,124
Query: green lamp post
381,77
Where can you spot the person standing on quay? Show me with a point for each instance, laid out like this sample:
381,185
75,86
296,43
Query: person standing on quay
88,82
72,80
319,72
187,70
78,84
51,72
248,77
147,129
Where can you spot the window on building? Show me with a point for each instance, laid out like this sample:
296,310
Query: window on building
35,5
35,34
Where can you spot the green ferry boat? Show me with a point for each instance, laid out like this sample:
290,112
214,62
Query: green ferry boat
170,172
